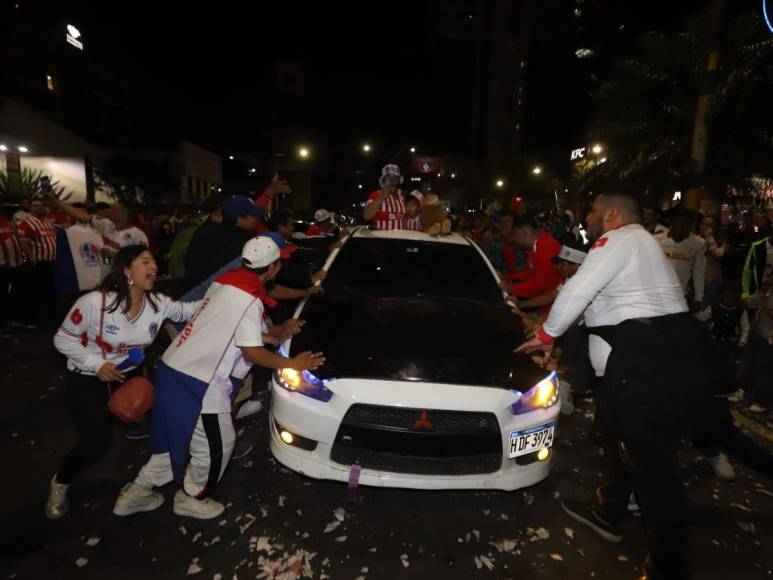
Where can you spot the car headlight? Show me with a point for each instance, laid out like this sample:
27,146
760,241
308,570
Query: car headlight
541,396
303,382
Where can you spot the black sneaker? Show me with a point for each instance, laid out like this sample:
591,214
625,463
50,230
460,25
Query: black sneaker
141,431
584,513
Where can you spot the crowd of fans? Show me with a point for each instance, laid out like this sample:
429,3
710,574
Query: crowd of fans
52,252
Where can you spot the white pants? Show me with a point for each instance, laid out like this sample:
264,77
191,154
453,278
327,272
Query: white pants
211,447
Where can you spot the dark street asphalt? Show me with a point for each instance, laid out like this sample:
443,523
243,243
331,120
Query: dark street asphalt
276,521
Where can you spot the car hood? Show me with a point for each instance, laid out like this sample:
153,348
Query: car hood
416,339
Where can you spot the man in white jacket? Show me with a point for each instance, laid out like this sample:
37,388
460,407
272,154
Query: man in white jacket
651,356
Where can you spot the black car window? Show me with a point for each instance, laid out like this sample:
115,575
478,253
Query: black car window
402,268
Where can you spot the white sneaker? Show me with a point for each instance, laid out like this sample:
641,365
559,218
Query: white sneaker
249,408
134,499
57,503
736,397
757,408
201,509
722,467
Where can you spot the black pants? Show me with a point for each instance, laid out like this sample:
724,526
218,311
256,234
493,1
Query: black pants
39,294
9,292
87,398
759,370
653,472
656,387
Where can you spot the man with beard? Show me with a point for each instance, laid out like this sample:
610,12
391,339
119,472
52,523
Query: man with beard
650,356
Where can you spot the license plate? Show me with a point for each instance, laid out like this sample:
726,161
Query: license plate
532,440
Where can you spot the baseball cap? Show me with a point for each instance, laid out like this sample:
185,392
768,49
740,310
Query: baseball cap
570,255
260,252
285,249
417,195
236,206
390,170
322,215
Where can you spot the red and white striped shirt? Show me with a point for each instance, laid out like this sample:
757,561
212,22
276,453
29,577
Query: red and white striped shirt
412,224
10,250
390,215
42,239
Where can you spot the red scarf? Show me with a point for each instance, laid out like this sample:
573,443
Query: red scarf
249,282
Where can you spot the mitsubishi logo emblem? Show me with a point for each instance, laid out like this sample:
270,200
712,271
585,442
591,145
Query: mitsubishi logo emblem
423,422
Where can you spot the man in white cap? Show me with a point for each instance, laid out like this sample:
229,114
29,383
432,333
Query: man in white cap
324,223
192,433
385,208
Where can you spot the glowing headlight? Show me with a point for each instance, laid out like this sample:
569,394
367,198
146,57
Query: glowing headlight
541,396
303,382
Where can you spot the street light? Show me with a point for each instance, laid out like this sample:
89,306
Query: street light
602,160
500,183
537,170
23,149
3,147
453,176
366,148
303,153
597,149
230,157
413,149
359,186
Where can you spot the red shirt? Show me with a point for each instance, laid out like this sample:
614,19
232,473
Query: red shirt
542,274
58,219
42,239
313,230
391,213
10,250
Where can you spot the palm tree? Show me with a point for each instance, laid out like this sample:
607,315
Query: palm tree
644,112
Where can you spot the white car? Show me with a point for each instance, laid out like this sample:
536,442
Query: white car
421,387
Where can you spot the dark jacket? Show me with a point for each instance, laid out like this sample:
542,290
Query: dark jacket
213,245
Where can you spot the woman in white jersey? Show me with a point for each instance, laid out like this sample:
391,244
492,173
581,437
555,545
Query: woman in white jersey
100,329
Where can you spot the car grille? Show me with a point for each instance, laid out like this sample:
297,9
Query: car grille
419,441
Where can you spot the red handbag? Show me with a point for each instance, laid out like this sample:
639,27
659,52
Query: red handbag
132,400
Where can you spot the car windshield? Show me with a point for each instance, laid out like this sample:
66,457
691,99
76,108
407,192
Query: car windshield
388,268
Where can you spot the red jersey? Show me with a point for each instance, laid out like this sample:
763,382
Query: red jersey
313,230
42,239
541,273
10,250
391,214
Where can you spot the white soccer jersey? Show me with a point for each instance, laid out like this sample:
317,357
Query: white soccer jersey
626,275
688,258
116,238
77,338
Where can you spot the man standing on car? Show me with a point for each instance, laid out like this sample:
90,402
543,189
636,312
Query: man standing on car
650,354
385,209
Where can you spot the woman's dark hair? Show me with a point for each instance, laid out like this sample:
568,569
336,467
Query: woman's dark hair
116,281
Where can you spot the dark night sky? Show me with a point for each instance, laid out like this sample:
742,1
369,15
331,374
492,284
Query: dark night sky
369,74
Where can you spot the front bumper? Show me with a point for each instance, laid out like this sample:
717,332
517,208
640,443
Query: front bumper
319,423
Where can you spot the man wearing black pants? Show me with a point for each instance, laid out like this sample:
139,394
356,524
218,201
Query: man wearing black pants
649,355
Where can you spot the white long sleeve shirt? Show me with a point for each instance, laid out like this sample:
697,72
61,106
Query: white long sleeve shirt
689,260
626,275
77,337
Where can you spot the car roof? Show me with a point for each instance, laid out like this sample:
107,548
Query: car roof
455,239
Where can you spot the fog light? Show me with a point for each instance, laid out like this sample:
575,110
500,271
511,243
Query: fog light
543,454
288,438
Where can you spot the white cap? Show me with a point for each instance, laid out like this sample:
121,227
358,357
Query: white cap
260,252
390,170
322,215
418,195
